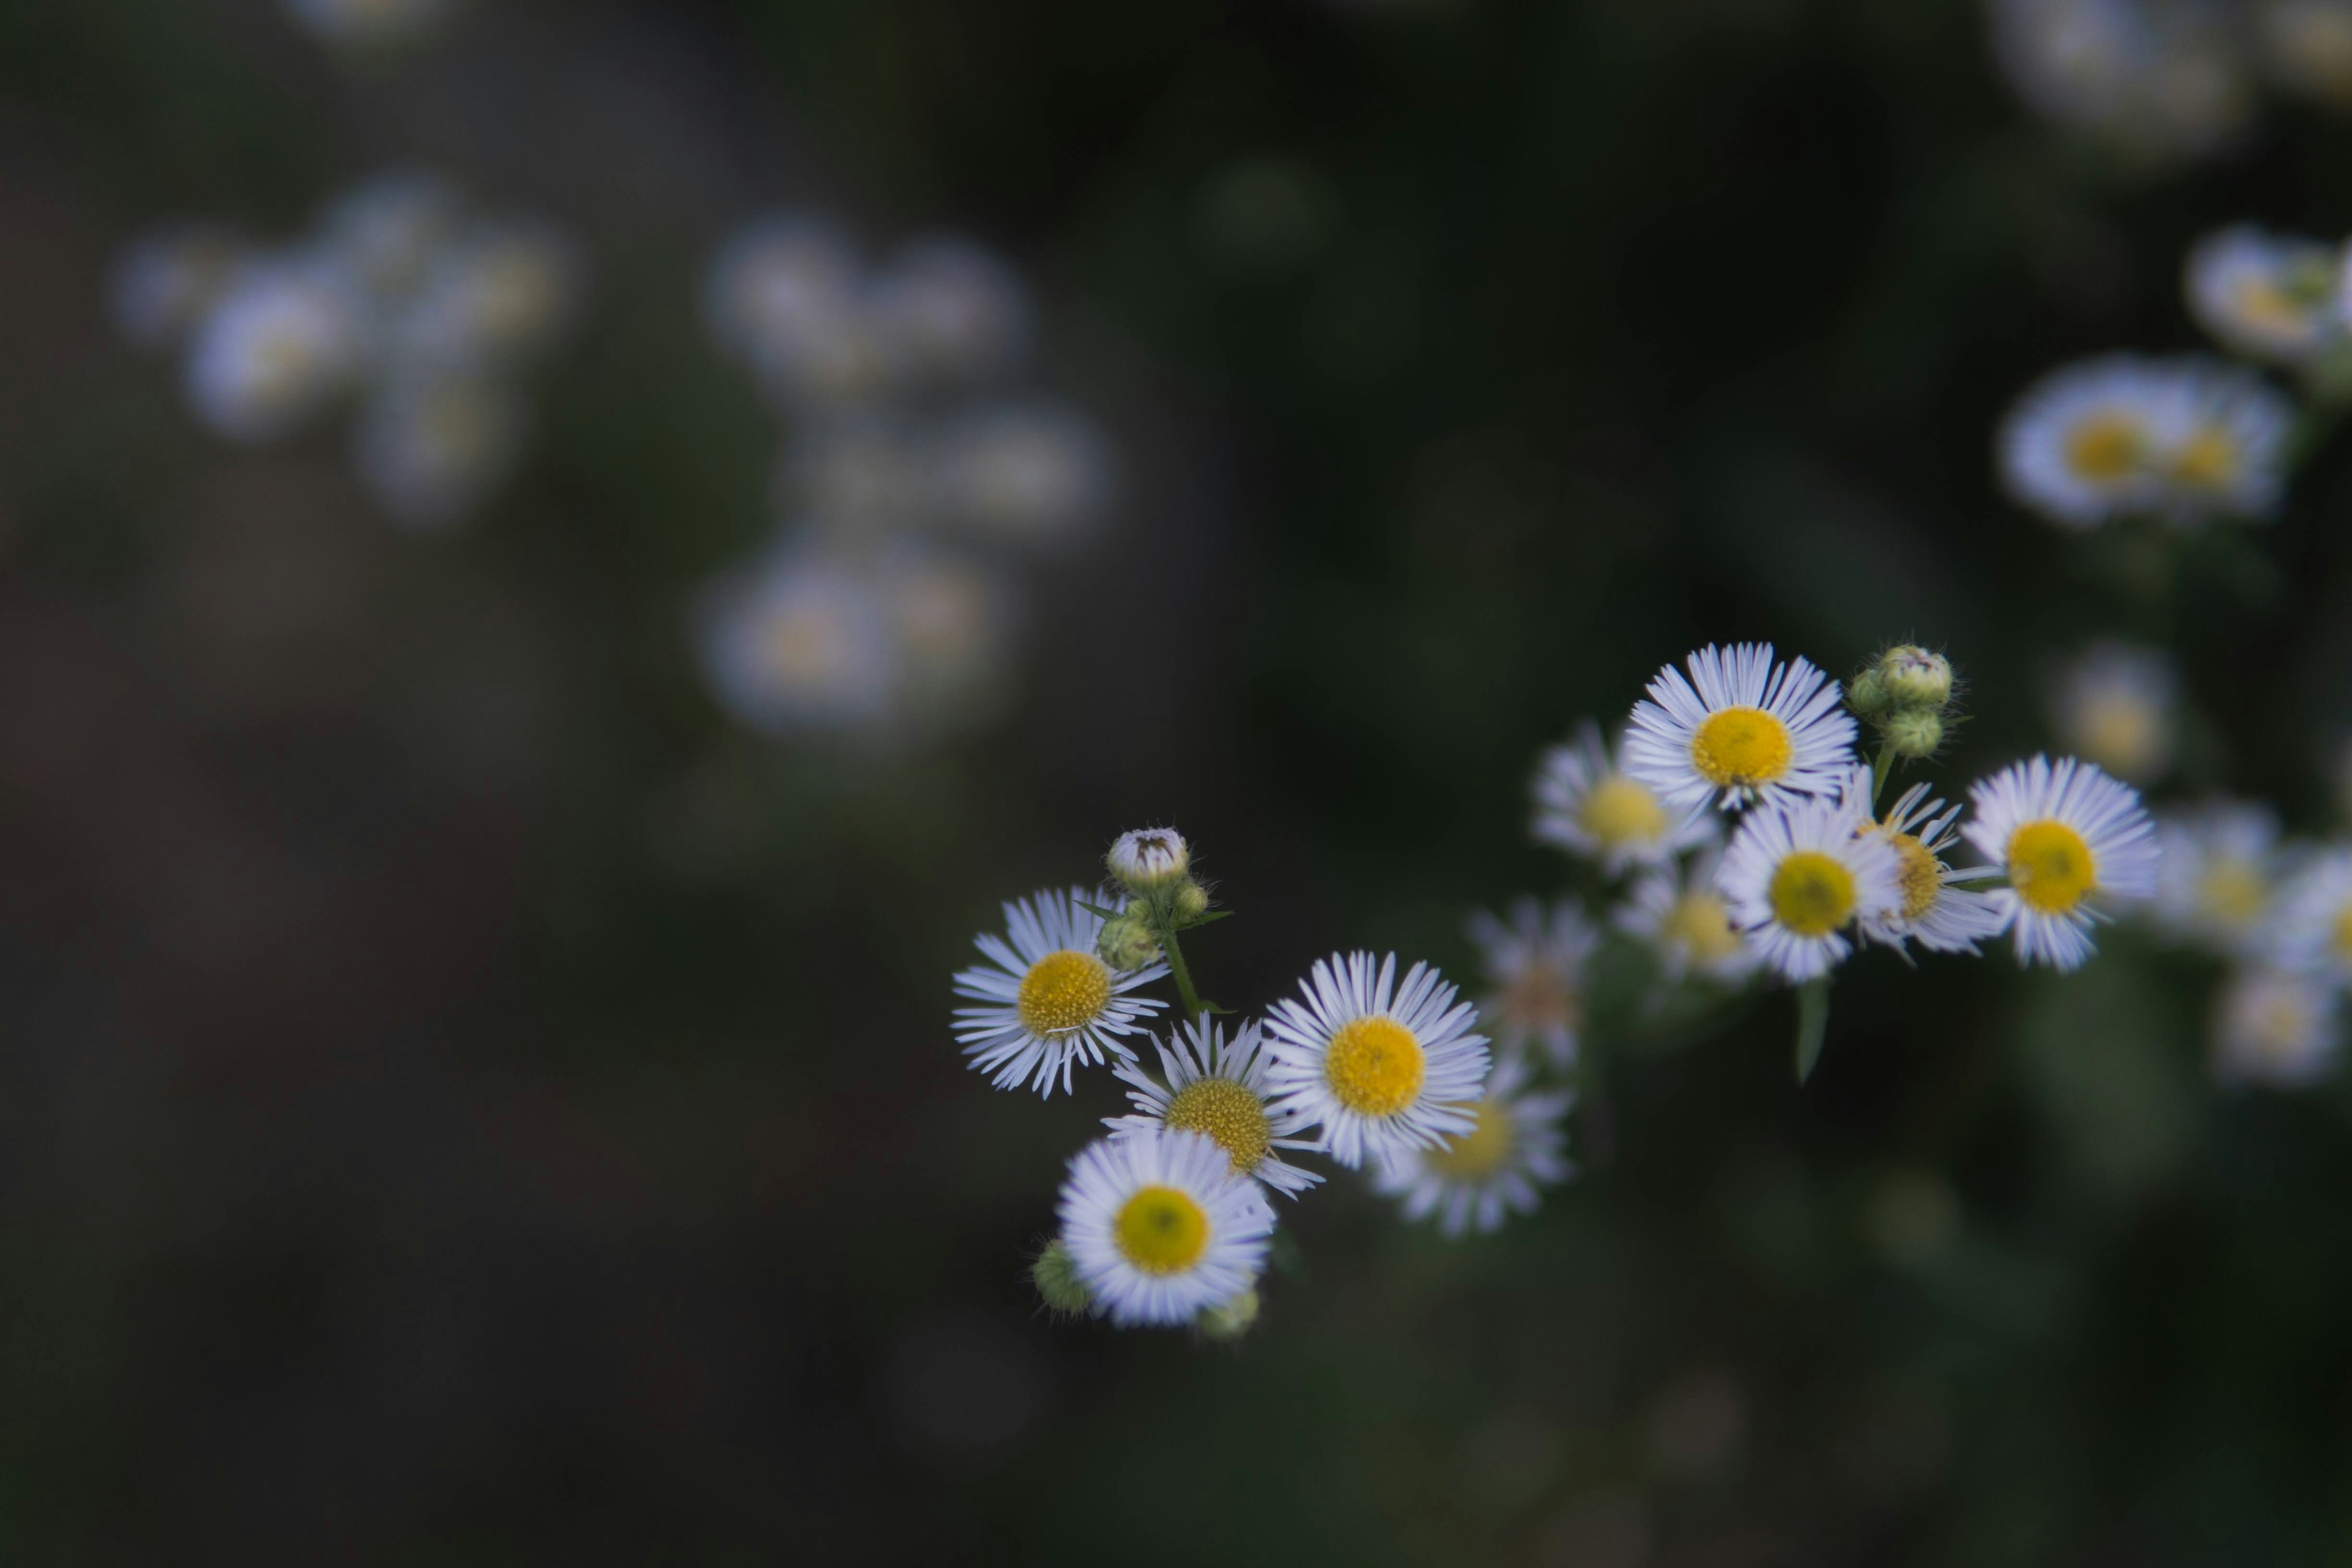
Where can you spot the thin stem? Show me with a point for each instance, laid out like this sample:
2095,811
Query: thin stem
1177,968
1879,770
1813,1025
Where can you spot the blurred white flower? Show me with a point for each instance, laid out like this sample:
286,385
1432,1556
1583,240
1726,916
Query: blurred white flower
1472,1179
2310,930
858,474
387,230
1026,473
2118,706
1587,804
797,641
2155,79
2220,870
956,622
952,313
169,279
496,295
431,450
2269,297
2182,439
1535,975
1678,912
2276,1028
287,341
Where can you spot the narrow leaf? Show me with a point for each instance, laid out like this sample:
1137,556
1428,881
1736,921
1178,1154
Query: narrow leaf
1813,1025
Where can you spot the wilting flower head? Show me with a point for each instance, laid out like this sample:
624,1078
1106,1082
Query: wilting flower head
1161,1225
1588,805
2220,871
2118,706
2073,842
167,281
2268,297
1147,859
430,449
285,340
1472,1181
2276,1027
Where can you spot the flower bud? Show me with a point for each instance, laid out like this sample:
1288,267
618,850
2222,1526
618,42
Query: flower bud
1913,732
1125,942
1056,1275
1191,900
1229,1319
1913,677
1866,694
1149,860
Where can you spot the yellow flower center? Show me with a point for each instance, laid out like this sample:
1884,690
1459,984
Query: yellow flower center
1228,1112
807,644
2124,735
1374,1066
1919,873
1742,746
2263,302
1062,992
1479,1151
2342,935
1536,999
2207,461
2104,448
2232,893
1617,811
1811,893
1702,924
1161,1230
2051,867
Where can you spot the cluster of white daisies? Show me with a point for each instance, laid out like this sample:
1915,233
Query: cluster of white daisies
400,302
1748,825
2164,80
913,472
2192,439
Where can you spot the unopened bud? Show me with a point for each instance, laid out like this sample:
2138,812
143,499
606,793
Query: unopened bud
1056,1275
1149,858
1228,1319
1191,901
1866,694
1913,677
1915,733
1126,943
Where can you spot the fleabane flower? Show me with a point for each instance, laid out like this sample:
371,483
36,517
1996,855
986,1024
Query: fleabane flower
1160,1227
2226,444
1047,1001
1535,974
2118,706
1471,1182
2275,1027
1740,729
1587,804
2219,870
1381,1067
2073,842
1796,876
2182,439
2269,297
1934,911
2310,929
1219,1087
1683,917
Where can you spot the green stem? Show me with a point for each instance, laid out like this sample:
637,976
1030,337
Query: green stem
1177,968
1879,770
1813,1025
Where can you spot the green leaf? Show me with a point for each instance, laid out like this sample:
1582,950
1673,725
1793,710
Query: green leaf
1813,1025
1212,916
1097,909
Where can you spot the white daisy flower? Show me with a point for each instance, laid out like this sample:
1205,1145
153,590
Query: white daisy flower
2310,929
1741,729
1032,473
1047,1001
287,340
795,640
2118,706
1534,967
2072,841
496,296
1472,1181
2269,297
1678,910
1588,805
1160,1227
2078,447
1220,1087
2219,870
2272,1026
1797,875
1382,1067
1935,913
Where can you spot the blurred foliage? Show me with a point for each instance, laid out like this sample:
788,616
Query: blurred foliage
463,1102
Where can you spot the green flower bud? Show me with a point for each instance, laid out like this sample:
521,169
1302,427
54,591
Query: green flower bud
1915,733
1056,1275
1191,900
1866,694
1149,859
1913,677
1126,943
1228,1321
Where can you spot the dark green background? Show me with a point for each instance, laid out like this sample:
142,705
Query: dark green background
461,1103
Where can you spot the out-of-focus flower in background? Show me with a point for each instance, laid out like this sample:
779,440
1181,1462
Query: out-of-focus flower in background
2269,297
370,24
911,463
2306,47
2158,80
2220,870
397,300
1470,1183
2118,706
2275,1027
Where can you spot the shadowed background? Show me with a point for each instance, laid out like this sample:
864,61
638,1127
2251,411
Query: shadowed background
461,1097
